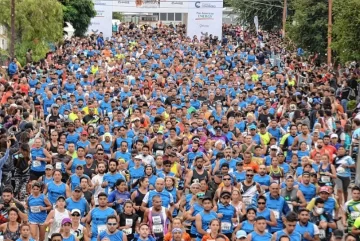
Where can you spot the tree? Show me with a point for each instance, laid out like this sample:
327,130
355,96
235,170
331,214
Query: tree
269,12
308,26
38,23
118,16
79,13
346,31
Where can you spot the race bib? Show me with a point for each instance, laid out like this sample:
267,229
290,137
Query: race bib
101,228
225,226
231,170
276,213
129,222
36,163
247,200
322,234
156,220
325,179
159,153
58,166
355,214
158,228
127,231
35,209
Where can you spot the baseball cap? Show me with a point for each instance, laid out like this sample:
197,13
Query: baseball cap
75,210
274,147
65,220
138,157
89,155
252,127
324,189
241,234
334,136
54,106
77,188
225,193
84,133
60,197
160,132
48,166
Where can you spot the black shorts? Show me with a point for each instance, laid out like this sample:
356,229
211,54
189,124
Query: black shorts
35,175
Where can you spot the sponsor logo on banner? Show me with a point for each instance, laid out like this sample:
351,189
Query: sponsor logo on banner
100,2
147,3
204,16
124,2
204,26
177,3
100,14
204,5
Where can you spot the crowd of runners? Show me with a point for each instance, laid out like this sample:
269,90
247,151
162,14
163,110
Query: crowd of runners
154,136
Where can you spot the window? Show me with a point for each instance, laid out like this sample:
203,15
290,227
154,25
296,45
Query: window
163,17
178,16
171,16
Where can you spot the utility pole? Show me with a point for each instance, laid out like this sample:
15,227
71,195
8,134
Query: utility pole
284,18
329,33
12,43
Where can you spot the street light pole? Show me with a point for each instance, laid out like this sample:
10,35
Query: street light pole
284,18
12,43
329,33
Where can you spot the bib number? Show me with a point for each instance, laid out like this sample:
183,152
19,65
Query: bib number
35,209
158,228
276,213
322,234
355,214
127,231
325,179
247,200
58,166
129,222
36,163
156,220
159,153
225,226
101,228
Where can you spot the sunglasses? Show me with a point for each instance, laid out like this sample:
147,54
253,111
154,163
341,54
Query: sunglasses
226,179
75,215
100,154
111,224
261,203
249,175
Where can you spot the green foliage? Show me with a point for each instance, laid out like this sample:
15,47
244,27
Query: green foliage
346,31
269,12
37,24
79,14
351,105
118,16
308,26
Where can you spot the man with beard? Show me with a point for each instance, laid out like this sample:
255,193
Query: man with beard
198,173
111,177
193,154
7,200
308,189
287,141
322,219
98,217
308,230
226,213
61,160
72,136
263,178
304,136
293,196
112,232
97,180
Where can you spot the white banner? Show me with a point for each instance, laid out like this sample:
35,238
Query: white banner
205,18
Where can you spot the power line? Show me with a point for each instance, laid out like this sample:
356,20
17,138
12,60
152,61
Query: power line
267,4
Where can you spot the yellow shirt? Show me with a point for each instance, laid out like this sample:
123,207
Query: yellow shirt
86,110
311,204
73,116
94,69
74,155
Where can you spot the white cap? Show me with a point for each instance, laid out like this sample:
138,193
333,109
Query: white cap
334,136
273,147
